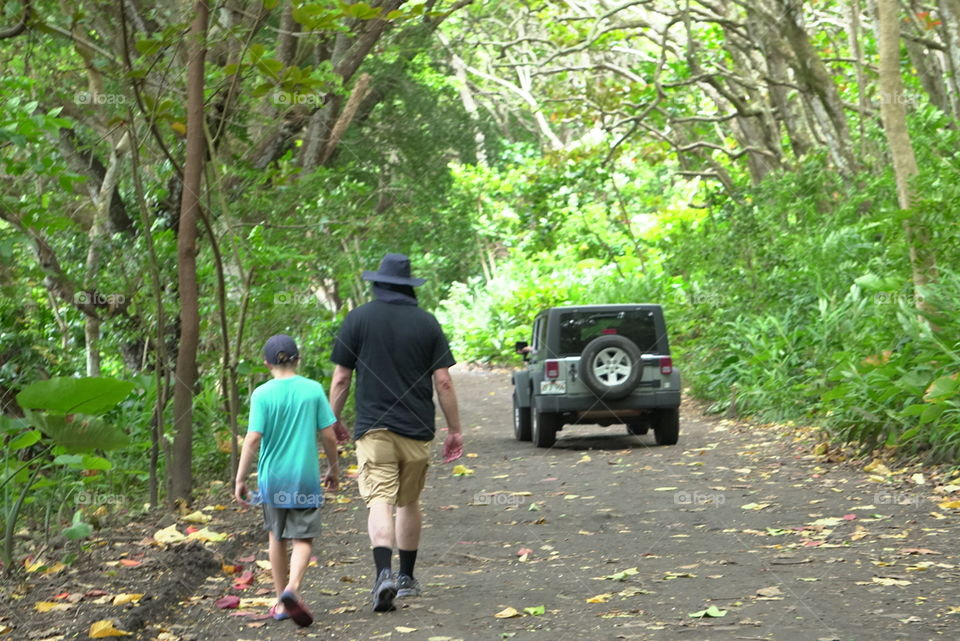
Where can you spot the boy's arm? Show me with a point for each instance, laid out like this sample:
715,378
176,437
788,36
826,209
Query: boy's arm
251,446
331,480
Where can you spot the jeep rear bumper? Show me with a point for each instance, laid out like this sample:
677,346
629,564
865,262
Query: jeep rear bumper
588,403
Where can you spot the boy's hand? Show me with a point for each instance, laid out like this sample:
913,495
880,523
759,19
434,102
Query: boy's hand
240,493
331,480
340,431
452,447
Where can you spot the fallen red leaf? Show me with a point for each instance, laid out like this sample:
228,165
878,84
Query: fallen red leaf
523,551
849,517
62,595
95,592
244,581
130,563
228,602
247,559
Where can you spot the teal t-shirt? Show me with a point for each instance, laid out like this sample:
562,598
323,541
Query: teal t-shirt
289,412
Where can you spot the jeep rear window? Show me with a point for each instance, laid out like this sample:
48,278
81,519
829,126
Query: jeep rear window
579,328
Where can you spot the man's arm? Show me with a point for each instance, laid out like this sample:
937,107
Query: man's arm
251,446
331,480
339,392
447,396
340,389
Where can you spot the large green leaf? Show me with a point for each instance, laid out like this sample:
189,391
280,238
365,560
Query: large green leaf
79,433
74,395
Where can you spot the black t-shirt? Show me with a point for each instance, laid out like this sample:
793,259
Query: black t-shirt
394,349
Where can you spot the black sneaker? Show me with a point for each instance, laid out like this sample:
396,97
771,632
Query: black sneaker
407,586
384,592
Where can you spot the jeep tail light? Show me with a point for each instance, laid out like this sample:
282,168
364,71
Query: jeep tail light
666,366
552,369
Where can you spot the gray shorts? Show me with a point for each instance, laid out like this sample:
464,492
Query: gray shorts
292,523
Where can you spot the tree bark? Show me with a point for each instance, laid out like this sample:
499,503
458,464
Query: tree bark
181,473
894,115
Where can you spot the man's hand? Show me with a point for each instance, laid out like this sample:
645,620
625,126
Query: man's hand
452,447
340,431
240,493
331,480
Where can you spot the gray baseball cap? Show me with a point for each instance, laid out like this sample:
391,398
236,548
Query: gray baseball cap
280,350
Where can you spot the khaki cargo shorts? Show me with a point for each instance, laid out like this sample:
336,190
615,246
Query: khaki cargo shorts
392,468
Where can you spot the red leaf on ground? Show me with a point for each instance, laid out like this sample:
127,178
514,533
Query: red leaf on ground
849,517
244,581
247,559
62,595
228,602
523,551
130,563
95,592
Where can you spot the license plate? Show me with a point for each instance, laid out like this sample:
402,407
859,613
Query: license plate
553,387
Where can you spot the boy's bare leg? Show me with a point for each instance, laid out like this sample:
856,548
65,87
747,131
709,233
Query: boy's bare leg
299,560
380,525
278,565
409,523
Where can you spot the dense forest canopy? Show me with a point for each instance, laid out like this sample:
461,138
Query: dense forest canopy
180,180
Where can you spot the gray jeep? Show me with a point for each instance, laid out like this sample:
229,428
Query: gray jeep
597,364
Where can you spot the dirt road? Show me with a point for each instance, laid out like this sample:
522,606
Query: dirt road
627,540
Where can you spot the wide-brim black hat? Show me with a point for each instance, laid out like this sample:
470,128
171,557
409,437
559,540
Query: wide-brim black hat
394,269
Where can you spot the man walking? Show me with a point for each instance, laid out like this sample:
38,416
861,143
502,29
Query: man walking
399,353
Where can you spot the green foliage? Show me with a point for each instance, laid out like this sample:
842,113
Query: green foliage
791,301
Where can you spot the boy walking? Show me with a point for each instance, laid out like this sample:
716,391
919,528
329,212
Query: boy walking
285,415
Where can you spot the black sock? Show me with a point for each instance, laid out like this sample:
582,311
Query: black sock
383,558
408,559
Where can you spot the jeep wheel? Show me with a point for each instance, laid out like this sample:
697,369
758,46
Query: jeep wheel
637,428
544,428
610,366
521,420
666,426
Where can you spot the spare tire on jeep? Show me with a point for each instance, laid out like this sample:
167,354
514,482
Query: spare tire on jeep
610,366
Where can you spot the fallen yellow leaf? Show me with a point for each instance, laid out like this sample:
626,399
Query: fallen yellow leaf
600,598
877,467
206,535
169,535
949,505
402,629
461,470
104,628
123,599
50,606
507,613
198,517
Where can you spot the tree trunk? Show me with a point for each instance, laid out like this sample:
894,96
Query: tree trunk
181,475
894,114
